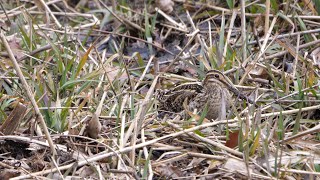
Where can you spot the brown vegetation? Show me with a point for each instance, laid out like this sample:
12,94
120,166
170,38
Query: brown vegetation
79,83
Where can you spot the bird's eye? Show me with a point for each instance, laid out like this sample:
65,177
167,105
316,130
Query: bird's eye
216,76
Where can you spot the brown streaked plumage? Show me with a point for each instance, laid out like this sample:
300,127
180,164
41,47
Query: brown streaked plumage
215,91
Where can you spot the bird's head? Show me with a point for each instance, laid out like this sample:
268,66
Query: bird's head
216,78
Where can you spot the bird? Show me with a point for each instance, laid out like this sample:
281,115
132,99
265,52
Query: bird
214,92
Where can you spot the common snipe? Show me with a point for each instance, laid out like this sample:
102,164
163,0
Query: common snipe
214,92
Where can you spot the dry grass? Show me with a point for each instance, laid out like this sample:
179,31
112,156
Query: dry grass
69,62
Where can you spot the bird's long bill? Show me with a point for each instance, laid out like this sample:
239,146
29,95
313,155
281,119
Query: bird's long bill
236,91
231,86
239,94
